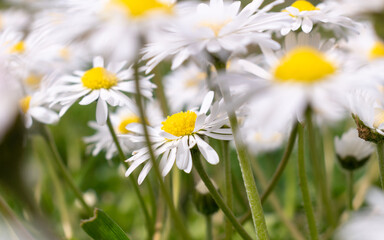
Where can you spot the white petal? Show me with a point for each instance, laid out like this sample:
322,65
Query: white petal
307,25
207,102
98,62
208,152
189,161
89,98
182,154
101,112
144,172
44,115
169,163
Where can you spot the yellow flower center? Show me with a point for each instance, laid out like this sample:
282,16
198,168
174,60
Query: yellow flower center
128,120
304,65
24,104
18,48
377,51
215,26
194,82
33,80
97,78
65,53
180,124
140,8
302,5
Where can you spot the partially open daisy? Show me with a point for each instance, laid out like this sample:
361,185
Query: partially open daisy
328,14
178,134
102,84
215,27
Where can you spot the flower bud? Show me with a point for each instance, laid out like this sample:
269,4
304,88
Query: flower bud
203,199
352,151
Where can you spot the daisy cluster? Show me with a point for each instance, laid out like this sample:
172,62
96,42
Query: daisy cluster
277,59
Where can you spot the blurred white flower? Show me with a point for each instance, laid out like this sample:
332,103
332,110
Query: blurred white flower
178,135
296,78
185,87
368,223
102,139
102,84
213,28
328,14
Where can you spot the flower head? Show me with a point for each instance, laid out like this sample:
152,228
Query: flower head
178,134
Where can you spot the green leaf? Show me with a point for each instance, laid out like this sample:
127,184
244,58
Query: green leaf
102,227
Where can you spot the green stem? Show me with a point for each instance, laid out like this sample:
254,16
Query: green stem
175,215
304,187
150,225
350,189
227,186
380,153
215,194
282,165
319,171
246,170
209,227
63,170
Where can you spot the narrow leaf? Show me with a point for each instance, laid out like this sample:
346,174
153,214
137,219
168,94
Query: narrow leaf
102,227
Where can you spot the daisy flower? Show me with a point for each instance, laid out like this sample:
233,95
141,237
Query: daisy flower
102,139
328,14
215,27
299,77
351,150
102,84
185,87
178,134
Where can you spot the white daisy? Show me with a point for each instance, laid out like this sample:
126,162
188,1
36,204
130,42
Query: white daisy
215,27
185,87
178,135
102,139
351,150
328,14
300,77
102,84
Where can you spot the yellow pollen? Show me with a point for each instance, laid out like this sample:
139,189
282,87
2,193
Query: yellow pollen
194,82
64,53
33,80
128,120
303,65
180,124
377,51
18,47
304,6
97,78
215,27
24,104
141,8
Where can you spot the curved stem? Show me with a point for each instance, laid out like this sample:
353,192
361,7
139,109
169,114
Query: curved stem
60,163
150,225
380,153
216,196
304,188
175,215
245,166
282,165
319,171
350,188
228,186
